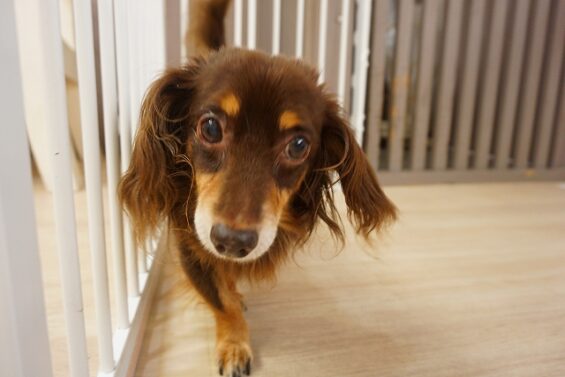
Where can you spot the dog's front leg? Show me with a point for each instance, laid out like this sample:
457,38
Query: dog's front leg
232,335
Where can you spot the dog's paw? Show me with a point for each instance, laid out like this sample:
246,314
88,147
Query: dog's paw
234,359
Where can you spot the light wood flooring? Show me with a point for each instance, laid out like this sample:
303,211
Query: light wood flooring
469,282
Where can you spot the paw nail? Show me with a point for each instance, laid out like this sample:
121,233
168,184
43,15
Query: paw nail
248,368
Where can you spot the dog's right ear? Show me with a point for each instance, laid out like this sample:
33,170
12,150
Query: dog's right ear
148,189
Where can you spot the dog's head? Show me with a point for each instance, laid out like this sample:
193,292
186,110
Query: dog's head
253,143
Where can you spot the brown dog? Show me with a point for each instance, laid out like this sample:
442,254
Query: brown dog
237,151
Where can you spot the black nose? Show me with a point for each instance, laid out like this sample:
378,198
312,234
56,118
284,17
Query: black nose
235,243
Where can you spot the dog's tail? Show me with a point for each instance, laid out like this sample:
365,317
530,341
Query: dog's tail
206,26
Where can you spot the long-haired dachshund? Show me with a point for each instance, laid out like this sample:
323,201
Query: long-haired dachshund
239,152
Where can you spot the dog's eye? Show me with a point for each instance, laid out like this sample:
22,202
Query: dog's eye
297,149
211,129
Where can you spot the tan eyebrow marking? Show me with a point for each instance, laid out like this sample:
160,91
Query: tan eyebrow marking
288,119
230,104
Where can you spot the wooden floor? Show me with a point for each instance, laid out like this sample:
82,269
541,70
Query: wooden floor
470,282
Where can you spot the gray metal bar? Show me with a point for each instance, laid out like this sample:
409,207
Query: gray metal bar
464,120
558,153
511,85
489,88
400,83
550,91
424,83
447,79
376,85
531,85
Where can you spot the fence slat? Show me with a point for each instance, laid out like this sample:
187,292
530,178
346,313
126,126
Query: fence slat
447,79
173,32
470,75
400,84
558,153
24,343
376,85
550,91
299,28
489,85
63,196
322,40
510,86
110,102
276,27
90,139
531,85
361,65
343,36
238,23
134,61
125,121
251,24
349,60
424,84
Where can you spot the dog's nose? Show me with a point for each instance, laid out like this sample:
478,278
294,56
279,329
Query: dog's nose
233,242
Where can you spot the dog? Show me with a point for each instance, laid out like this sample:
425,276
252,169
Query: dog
239,152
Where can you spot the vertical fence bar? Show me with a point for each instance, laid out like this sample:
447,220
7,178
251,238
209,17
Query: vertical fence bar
131,257
134,60
299,29
124,103
184,19
251,24
276,27
24,344
489,86
558,153
343,36
322,39
238,23
464,117
400,83
424,84
145,40
531,82
90,139
446,85
361,65
347,95
550,91
173,33
376,85
510,86
147,15
111,135
63,196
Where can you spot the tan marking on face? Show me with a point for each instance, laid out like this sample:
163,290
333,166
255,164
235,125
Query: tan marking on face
230,104
208,186
277,200
288,119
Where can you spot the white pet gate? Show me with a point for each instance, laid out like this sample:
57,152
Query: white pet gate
129,41
133,40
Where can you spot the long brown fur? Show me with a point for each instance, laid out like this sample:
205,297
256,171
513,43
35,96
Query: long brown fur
160,184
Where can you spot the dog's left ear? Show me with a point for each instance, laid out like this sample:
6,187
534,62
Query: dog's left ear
367,205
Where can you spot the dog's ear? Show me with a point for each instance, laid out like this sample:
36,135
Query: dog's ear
149,188
367,205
